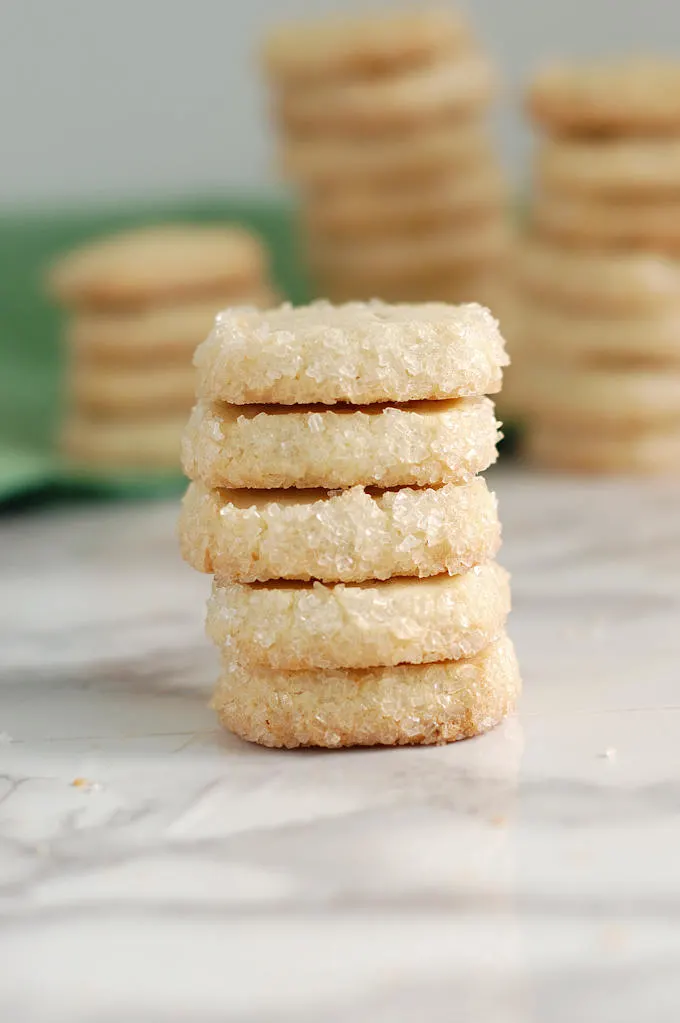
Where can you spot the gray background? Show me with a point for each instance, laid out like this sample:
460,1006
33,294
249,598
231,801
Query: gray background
100,99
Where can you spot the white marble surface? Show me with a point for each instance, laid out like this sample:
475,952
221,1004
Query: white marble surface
531,875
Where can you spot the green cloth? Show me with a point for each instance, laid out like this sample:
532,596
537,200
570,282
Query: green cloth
31,356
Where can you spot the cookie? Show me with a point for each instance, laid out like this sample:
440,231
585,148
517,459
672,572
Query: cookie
449,146
311,625
343,536
651,452
448,249
362,47
382,105
147,336
123,444
164,264
640,169
359,353
371,209
589,338
141,392
612,282
418,444
583,396
638,95
391,706
601,223
485,285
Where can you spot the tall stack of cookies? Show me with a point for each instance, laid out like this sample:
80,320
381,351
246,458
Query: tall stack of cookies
139,303
382,129
600,274
334,453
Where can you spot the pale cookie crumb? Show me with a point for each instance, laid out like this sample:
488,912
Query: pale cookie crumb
391,706
357,352
417,444
305,625
346,536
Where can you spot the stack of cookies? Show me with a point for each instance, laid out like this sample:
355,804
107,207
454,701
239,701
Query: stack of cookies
139,303
382,129
601,270
334,454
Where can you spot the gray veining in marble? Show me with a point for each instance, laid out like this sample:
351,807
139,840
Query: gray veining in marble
531,875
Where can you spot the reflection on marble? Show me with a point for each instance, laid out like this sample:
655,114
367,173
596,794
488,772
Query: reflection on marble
531,875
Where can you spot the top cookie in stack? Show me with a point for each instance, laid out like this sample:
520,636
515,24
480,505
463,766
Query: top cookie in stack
381,124
334,453
601,270
140,301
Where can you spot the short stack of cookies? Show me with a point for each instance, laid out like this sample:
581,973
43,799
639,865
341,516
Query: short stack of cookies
139,302
382,131
600,358
334,453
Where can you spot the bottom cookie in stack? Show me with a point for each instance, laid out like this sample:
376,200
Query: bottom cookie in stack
404,704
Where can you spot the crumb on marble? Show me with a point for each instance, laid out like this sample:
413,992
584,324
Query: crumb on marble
609,753
85,784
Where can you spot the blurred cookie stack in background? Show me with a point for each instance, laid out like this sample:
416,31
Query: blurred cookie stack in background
139,303
381,123
600,273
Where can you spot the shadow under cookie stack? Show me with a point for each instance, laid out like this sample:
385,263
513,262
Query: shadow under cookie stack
139,303
382,131
600,353
334,453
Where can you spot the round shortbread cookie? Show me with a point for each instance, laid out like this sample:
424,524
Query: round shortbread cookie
446,249
335,162
343,536
361,47
586,395
407,704
121,444
164,264
139,391
647,452
613,168
600,223
418,444
385,104
634,95
377,208
587,338
360,625
358,353
157,333
609,281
